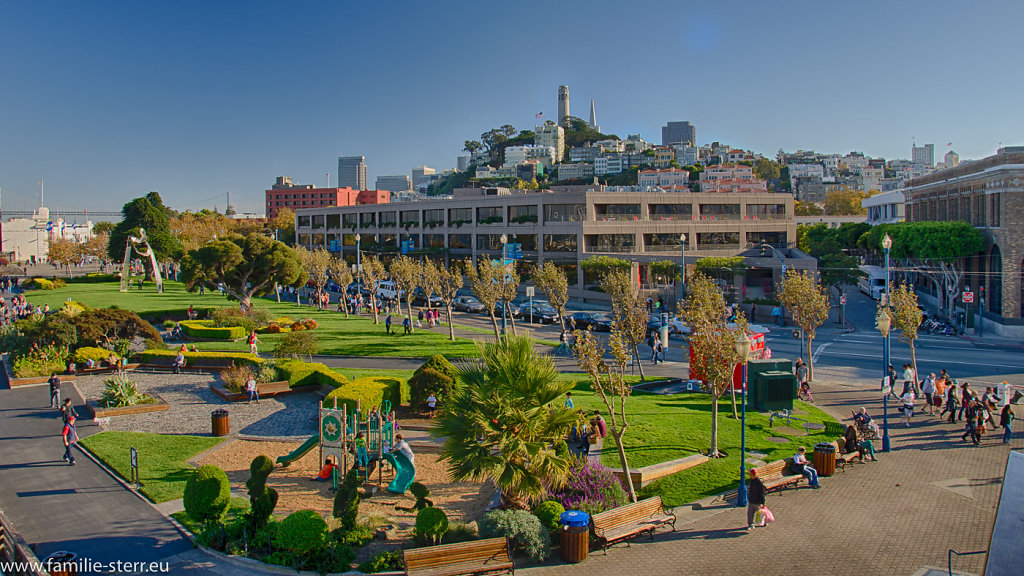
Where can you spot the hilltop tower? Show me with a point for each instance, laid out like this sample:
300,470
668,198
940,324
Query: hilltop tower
563,104
593,117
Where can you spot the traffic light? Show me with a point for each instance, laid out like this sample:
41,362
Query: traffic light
764,248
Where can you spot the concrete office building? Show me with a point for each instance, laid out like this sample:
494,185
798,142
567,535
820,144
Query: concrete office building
988,194
397,183
352,172
422,175
571,225
923,155
678,133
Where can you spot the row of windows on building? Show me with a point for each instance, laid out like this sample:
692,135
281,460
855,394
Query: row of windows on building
614,243
301,196
552,213
979,209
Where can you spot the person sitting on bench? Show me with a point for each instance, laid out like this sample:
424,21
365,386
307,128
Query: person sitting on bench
325,473
802,466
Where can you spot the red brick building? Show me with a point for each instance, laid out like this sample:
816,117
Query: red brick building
286,195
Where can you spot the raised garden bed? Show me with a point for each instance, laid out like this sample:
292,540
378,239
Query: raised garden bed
15,382
102,412
266,390
644,476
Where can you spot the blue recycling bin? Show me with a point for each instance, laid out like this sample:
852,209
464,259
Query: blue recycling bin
574,537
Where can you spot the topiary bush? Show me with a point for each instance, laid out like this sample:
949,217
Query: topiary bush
550,515
396,390
369,391
431,524
207,494
302,532
262,500
386,561
299,373
523,530
590,487
427,381
346,500
208,329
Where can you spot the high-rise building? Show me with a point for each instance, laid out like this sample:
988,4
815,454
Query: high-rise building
593,117
462,163
553,135
352,172
399,183
421,175
678,133
563,104
923,155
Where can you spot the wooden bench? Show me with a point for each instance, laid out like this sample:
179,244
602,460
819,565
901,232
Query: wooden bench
474,557
267,390
625,521
774,475
191,364
843,459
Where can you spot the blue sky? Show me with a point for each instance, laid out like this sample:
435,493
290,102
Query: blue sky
108,100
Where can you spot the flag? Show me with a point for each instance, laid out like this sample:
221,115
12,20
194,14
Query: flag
949,143
538,114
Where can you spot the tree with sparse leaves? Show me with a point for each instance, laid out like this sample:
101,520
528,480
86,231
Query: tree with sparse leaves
629,312
551,281
449,281
372,274
808,302
430,277
96,245
406,274
317,264
64,253
509,281
906,318
341,274
712,343
483,281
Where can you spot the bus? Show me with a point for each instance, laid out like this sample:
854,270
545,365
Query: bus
873,281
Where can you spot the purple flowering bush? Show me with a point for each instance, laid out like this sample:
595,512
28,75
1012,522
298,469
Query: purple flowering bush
590,487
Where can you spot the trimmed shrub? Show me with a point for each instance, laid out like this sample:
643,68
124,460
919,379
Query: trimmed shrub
427,381
590,487
262,500
369,391
346,500
106,324
431,524
237,357
299,373
302,532
94,278
206,329
386,561
523,529
207,494
550,515
459,532
442,365
43,283
357,537
396,391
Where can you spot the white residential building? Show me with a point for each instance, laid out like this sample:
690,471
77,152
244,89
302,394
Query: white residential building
519,154
687,155
666,178
553,135
871,178
806,170
608,164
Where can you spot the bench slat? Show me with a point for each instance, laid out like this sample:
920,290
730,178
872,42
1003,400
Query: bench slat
460,558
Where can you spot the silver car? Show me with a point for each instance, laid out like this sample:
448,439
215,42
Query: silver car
467,304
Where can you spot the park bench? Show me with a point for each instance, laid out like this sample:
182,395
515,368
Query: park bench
267,390
474,557
192,364
774,475
843,459
626,521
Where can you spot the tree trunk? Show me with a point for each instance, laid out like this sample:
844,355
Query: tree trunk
617,435
494,323
640,365
451,326
732,390
373,305
408,306
511,318
810,360
713,451
913,362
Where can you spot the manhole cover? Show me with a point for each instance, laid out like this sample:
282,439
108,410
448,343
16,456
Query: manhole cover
814,426
777,440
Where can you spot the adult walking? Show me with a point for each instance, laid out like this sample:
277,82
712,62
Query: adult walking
54,390
70,436
928,391
756,495
387,324
253,341
971,426
1006,421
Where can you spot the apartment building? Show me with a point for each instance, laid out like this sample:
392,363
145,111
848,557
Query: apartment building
285,194
571,225
666,178
731,178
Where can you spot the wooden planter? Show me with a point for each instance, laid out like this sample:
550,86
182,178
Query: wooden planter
267,390
15,382
100,412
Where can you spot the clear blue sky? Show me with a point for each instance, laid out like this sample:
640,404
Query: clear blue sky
109,100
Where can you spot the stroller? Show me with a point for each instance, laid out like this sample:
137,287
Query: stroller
868,430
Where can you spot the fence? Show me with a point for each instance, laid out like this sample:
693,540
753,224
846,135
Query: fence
14,551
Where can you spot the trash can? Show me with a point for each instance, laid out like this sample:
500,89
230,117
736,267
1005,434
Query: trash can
61,564
575,536
221,426
825,459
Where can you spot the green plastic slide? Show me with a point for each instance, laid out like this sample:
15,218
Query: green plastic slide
299,452
405,472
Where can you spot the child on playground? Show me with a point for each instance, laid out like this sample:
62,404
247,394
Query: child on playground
325,473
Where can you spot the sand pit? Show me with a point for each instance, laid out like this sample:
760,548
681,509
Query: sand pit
462,501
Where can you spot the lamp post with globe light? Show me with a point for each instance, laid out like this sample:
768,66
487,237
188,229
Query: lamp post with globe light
742,345
504,303
359,267
885,322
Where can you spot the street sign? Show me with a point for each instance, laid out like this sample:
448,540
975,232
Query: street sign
134,456
530,291
968,297
842,299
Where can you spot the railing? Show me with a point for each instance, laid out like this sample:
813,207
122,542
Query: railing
15,551
949,564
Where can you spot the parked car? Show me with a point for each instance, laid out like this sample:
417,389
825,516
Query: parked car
419,298
467,304
356,287
388,289
513,309
585,320
539,313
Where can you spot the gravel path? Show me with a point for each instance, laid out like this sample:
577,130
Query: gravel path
191,401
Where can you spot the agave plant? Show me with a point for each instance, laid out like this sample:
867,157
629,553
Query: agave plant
120,390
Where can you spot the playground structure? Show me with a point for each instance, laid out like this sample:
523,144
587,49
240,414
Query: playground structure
143,249
336,439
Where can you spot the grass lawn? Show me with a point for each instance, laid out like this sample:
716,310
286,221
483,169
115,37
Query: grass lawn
236,508
663,428
163,459
355,336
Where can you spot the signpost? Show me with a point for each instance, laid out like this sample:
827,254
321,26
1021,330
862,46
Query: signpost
134,454
967,297
530,291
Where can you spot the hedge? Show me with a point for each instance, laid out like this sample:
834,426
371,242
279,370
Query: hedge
94,278
179,313
42,283
370,391
250,359
83,354
206,329
299,373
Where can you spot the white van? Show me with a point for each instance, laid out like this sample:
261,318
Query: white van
388,289
873,281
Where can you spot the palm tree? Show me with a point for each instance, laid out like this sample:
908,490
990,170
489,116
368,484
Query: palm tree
503,420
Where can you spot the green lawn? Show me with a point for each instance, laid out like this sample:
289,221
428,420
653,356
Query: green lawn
663,428
354,336
163,459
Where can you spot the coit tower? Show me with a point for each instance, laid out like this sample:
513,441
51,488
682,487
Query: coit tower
563,104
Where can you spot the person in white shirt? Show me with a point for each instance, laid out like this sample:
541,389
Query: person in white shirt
403,447
252,389
928,391
908,406
431,404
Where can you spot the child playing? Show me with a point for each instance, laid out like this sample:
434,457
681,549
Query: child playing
325,473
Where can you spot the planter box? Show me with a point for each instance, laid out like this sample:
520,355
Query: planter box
267,390
15,382
100,412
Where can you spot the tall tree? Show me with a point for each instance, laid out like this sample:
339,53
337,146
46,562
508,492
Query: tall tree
150,213
808,302
372,274
906,318
316,263
509,280
629,314
283,226
483,281
503,421
64,253
430,279
341,274
406,274
807,209
551,281
96,245
246,266
768,170
711,342
449,281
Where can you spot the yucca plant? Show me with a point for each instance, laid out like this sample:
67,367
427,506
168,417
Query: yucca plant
120,390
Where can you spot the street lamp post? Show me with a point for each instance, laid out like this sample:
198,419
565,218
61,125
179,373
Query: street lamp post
359,267
742,345
504,304
884,323
682,271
